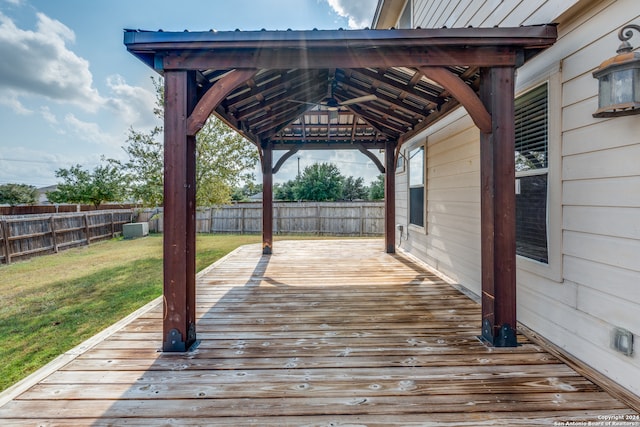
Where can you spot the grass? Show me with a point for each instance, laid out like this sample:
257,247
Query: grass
52,303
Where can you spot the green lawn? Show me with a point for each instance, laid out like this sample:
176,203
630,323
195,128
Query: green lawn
52,303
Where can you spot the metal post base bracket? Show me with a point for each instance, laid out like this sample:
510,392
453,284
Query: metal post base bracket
175,343
506,335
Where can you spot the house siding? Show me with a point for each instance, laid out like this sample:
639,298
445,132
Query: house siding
594,285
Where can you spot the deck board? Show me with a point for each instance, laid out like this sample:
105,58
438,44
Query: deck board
319,333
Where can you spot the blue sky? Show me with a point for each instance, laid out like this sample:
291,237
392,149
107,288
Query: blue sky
69,91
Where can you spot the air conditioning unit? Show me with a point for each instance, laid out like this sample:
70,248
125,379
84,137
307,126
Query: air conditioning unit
136,229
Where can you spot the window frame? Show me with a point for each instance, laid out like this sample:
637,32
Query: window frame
530,128
420,146
551,270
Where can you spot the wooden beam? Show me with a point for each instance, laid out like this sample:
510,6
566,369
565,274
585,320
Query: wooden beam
267,199
212,98
407,89
313,144
498,235
390,198
191,226
383,57
179,216
286,156
463,93
372,157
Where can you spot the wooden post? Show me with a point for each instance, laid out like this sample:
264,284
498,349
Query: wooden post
113,227
7,247
498,235
87,230
54,236
179,217
390,198
267,199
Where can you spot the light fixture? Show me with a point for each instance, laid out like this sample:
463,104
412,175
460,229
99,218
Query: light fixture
619,79
622,341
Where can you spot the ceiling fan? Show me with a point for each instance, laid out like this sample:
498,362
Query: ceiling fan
333,105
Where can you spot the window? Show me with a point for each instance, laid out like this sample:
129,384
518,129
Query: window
532,169
416,186
400,164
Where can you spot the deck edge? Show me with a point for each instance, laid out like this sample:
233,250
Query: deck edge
56,364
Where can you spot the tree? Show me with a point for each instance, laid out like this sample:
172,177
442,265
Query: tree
223,158
354,189
242,194
320,182
143,171
287,191
104,184
376,190
18,194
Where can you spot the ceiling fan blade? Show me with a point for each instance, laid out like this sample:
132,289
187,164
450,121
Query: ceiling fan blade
304,102
365,98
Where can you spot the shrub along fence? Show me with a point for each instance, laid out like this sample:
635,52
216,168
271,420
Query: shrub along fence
31,235
319,218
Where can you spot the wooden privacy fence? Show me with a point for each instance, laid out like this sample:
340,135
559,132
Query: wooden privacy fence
54,209
320,218
31,235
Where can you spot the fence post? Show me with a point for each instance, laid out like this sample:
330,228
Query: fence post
361,220
242,220
319,227
54,236
210,227
113,227
86,228
7,234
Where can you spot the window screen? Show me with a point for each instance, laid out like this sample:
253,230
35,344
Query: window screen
531,126
416,186
531,155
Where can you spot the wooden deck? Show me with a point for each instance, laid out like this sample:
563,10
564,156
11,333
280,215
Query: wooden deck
322,333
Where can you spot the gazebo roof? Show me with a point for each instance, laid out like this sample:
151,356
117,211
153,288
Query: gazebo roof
338,89
331,89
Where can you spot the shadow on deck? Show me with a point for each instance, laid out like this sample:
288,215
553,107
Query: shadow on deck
319,333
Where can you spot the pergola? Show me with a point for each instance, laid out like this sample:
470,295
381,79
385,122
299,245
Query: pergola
362,90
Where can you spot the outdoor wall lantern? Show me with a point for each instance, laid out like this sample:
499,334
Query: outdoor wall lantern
619,79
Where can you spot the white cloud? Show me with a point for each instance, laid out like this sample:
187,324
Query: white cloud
37,166
49,117
10,99
134,104
39,63
359,12
87,131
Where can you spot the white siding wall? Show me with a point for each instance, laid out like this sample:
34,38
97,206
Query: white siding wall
594,285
